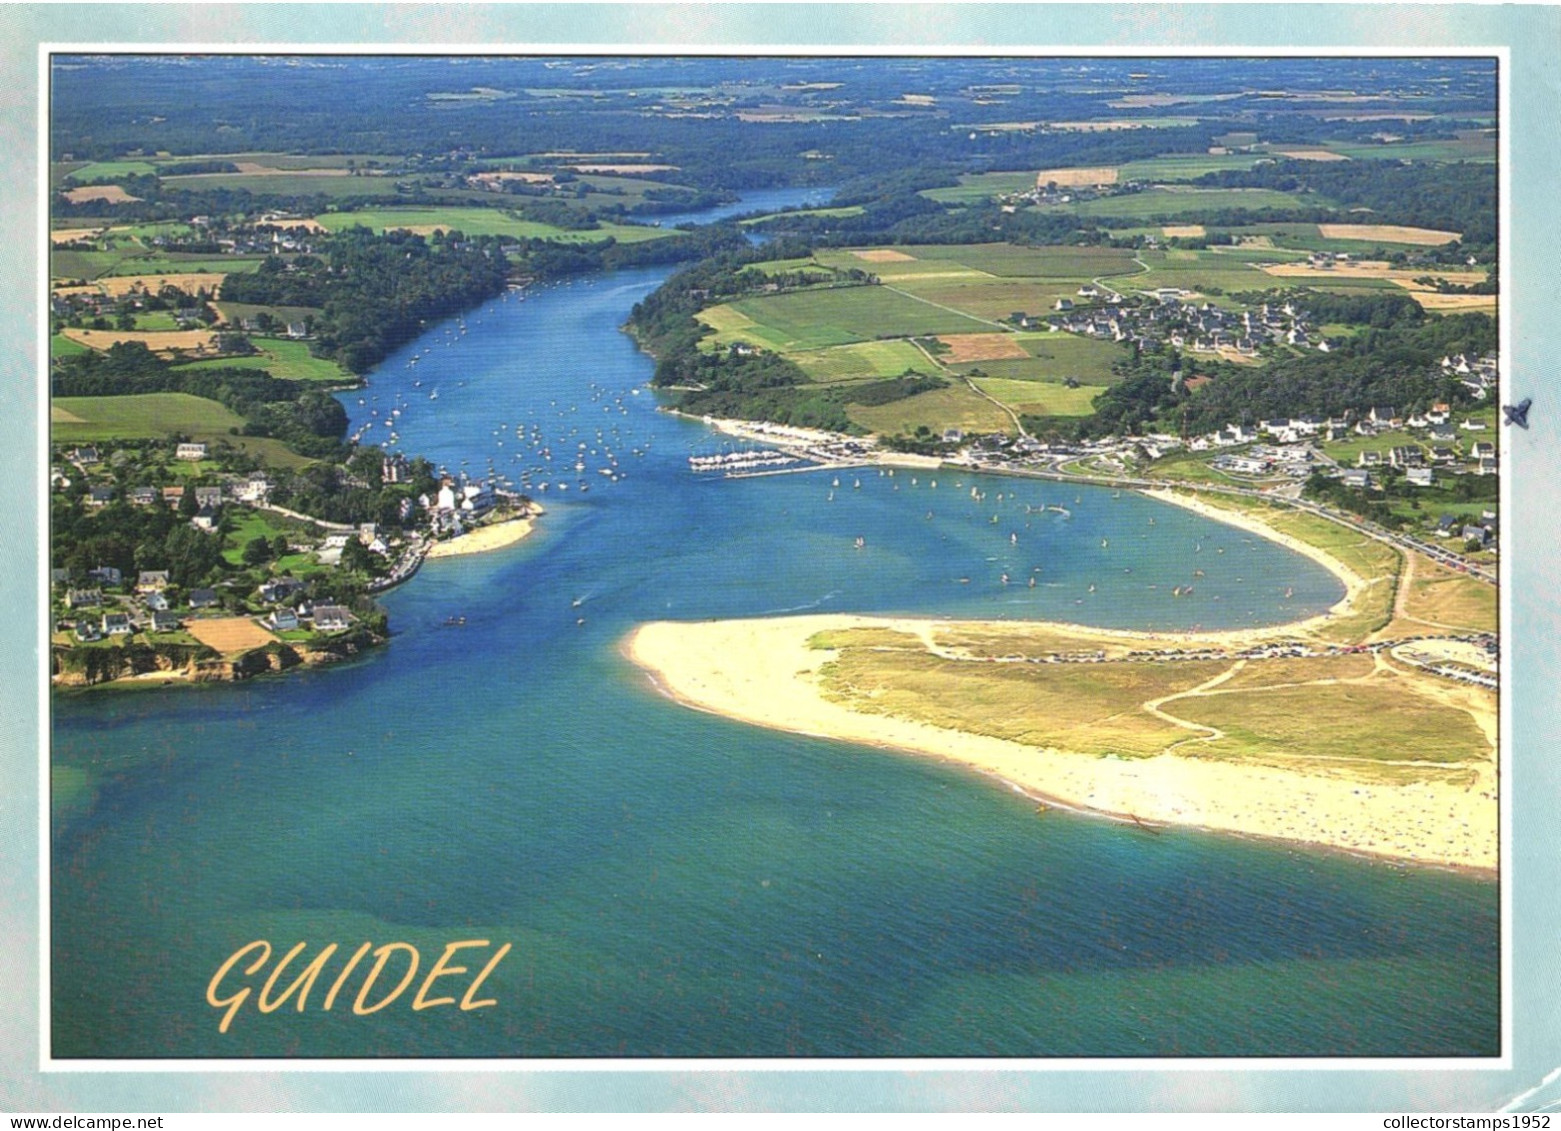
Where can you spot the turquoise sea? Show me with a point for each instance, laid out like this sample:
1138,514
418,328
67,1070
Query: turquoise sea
673,884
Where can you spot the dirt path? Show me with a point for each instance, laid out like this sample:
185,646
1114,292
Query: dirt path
1213,734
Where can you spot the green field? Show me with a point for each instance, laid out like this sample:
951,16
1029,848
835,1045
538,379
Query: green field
233,311
281,358
149,416
953,407
483,222
1189,202
293,160
978,187
1307,237
139,417
61,346
286,184
1201,270
1183,166
1481,148
100,171
991,259
1040,398
862,360
815,319
66,264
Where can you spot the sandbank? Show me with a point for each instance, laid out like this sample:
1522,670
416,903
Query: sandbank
480,539
762,671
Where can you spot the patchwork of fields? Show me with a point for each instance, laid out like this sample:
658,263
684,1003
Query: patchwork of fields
946,311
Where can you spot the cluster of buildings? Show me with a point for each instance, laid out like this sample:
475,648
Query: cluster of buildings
1480,375
1164,316
105,604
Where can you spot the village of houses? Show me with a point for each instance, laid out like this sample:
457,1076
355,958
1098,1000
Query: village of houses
108,605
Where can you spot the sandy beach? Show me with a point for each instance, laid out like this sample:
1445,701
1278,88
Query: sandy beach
762,671
494,536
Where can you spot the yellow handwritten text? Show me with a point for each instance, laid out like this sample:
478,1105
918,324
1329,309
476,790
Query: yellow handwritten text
233,983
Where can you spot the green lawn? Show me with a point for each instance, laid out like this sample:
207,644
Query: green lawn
249,524
484,222
156,320
61,346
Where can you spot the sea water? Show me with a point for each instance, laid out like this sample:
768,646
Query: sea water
671,883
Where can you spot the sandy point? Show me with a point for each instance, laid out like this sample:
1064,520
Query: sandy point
494,536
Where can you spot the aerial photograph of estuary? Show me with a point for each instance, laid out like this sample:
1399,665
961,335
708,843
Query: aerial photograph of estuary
633,557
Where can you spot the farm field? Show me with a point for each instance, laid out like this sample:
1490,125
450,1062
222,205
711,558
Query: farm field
150,416
233,311
814,319
1039,398
282,358
952,407
1480,147
61,346
1183,167
67,263
1199,270
1188,201
158,341
319,182
1387,233
862,361
482,222
997,259
976,188
141,416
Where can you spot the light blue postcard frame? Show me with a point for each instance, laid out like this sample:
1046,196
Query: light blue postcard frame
1528,38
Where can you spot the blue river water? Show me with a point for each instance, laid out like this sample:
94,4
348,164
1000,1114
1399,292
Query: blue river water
674,884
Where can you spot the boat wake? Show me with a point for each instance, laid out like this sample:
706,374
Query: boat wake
827,597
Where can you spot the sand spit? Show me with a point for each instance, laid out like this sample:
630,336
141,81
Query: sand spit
763,671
